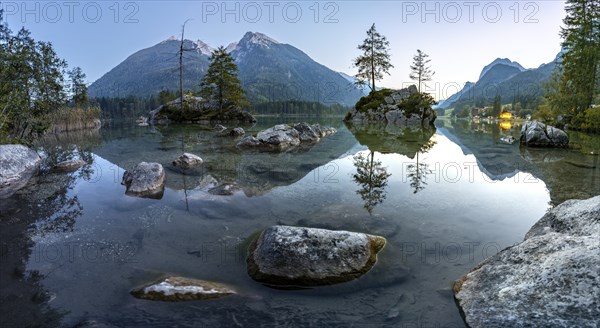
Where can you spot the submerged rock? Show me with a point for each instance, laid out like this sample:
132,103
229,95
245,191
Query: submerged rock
145,180
187,161
17,165
551,279
176,289
220,128
70,165
283,137
509,140
297,256
540,135
224,190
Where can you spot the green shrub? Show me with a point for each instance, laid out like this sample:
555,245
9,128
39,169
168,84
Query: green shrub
372,100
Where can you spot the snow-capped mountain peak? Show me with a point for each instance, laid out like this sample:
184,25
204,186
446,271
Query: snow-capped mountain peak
171,38
258,38
204,48
231,47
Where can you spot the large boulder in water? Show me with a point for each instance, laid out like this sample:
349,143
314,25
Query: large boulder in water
282,137
17,165
175,289
551,279
540,135
298,256
145,180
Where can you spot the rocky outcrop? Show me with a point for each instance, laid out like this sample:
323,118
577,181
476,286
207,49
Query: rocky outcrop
388,106
176,289
538,134
283,137
187,161
235,132
69,166
297,256
197,110
17,165
145,180
551,279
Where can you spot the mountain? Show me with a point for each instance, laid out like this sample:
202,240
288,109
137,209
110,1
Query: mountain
502,61
505,78
444,104
151,70
268,70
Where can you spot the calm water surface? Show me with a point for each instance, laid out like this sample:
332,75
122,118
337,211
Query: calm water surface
74,244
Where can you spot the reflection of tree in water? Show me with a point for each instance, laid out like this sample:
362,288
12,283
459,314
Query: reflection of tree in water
372,178
417,172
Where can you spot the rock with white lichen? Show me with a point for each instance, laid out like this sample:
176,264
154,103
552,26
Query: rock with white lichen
175,289
551,279
303,257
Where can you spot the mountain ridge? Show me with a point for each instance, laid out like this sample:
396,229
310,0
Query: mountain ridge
268,70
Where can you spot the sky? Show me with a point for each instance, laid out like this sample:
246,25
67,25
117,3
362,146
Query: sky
460,37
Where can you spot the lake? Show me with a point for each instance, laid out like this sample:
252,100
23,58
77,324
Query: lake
74,245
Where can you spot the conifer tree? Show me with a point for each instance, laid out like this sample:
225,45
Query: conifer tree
220,84
375,60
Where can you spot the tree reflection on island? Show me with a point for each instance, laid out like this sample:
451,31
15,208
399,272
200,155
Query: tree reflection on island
372,178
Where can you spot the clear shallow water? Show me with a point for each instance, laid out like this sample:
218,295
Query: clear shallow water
73,245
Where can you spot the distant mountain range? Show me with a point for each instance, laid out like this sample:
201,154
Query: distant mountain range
269,71
505,78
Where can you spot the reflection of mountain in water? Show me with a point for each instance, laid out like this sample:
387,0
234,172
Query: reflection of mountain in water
568,173
256,173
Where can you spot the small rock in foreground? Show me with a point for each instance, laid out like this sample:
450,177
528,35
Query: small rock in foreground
176,289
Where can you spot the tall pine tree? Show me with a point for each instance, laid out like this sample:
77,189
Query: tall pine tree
375,60
419,70
220,85
579,82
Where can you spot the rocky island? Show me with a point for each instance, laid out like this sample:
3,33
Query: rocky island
401,107
198,110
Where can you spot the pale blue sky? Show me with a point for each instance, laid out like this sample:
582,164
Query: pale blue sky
460,36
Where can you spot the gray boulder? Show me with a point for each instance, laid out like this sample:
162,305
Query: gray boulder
537,134
145,180
69,166
187,161
175,289
17,165
307,133
297,256
237,132
283,137
551,279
